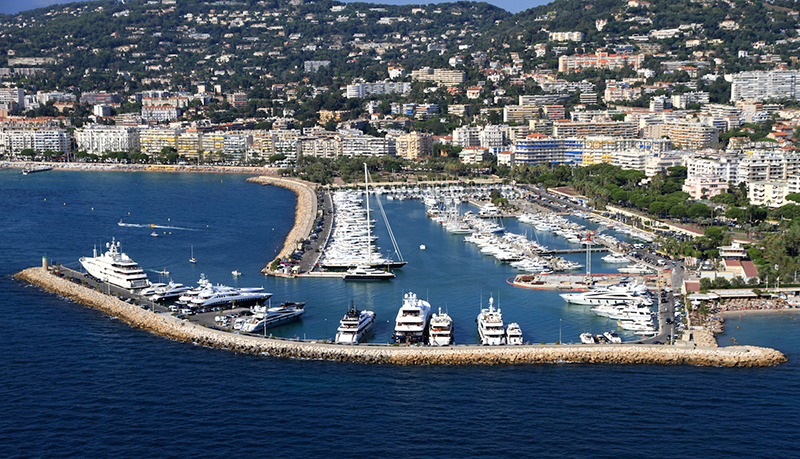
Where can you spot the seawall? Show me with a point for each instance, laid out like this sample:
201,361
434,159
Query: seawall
181,330
304,215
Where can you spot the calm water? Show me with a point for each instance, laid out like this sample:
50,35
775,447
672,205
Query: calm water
76,383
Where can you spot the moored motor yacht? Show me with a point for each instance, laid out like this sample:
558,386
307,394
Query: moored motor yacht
513,334
266,316
616,258
490,325
168,291
116,268
354,325
367,273
412,320
440,331
606,296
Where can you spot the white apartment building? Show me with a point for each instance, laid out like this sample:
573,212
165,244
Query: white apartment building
320,147
723,166
13,141
660,163
492,137
761,85
360,90
100,139
566,36
160,113
758,166
366,145
440,76
467,136
14,98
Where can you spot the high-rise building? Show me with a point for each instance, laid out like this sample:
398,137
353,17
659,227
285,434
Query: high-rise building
99,139
761,86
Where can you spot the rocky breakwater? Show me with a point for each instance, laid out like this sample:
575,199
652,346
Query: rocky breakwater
304,215
181,330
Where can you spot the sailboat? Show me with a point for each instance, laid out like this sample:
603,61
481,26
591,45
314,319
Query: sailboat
366,272
192,260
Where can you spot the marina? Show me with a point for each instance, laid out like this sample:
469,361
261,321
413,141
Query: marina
495,232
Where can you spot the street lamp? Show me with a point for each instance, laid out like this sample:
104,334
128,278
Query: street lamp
559,331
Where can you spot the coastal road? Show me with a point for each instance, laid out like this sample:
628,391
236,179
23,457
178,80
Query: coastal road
315,248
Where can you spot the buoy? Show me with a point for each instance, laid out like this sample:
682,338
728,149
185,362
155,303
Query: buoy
65,203
46,200
92,208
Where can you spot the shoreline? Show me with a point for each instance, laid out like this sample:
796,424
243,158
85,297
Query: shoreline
304,215
75,166
180,330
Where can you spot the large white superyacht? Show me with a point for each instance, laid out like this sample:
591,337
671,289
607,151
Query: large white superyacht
116,268
412,320
265,316
634,294
354,325
490,326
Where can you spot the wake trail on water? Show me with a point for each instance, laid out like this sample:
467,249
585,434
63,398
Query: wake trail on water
137,225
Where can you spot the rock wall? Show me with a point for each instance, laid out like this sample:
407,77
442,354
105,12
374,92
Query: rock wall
305,212
181,330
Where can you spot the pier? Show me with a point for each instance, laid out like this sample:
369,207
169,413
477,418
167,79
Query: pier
186,331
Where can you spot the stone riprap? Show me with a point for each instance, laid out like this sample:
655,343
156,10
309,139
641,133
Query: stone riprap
304,215
182,330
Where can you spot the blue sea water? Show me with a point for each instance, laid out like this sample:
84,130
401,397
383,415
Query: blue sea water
77,383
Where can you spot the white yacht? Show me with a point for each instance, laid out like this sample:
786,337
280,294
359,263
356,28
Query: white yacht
588,338
490,326
222,295
622,311
513,334
440,332
612,337
616,258
605,296
637,325
116,268
354,325
367,273
635,270
168,291
264,316
412,320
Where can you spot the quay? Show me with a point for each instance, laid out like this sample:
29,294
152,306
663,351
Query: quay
566,251
186,331
575,282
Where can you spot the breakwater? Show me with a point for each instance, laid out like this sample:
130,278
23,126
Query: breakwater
304,215
182,330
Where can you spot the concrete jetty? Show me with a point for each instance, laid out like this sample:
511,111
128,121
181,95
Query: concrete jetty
182,330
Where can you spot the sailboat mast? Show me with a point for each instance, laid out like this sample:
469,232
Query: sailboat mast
369,233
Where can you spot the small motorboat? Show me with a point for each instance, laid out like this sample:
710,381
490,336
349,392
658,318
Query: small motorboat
236,273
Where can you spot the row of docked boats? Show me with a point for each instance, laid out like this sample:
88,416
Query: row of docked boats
608,337
628,303
520,252
417,324
117,268
351,245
